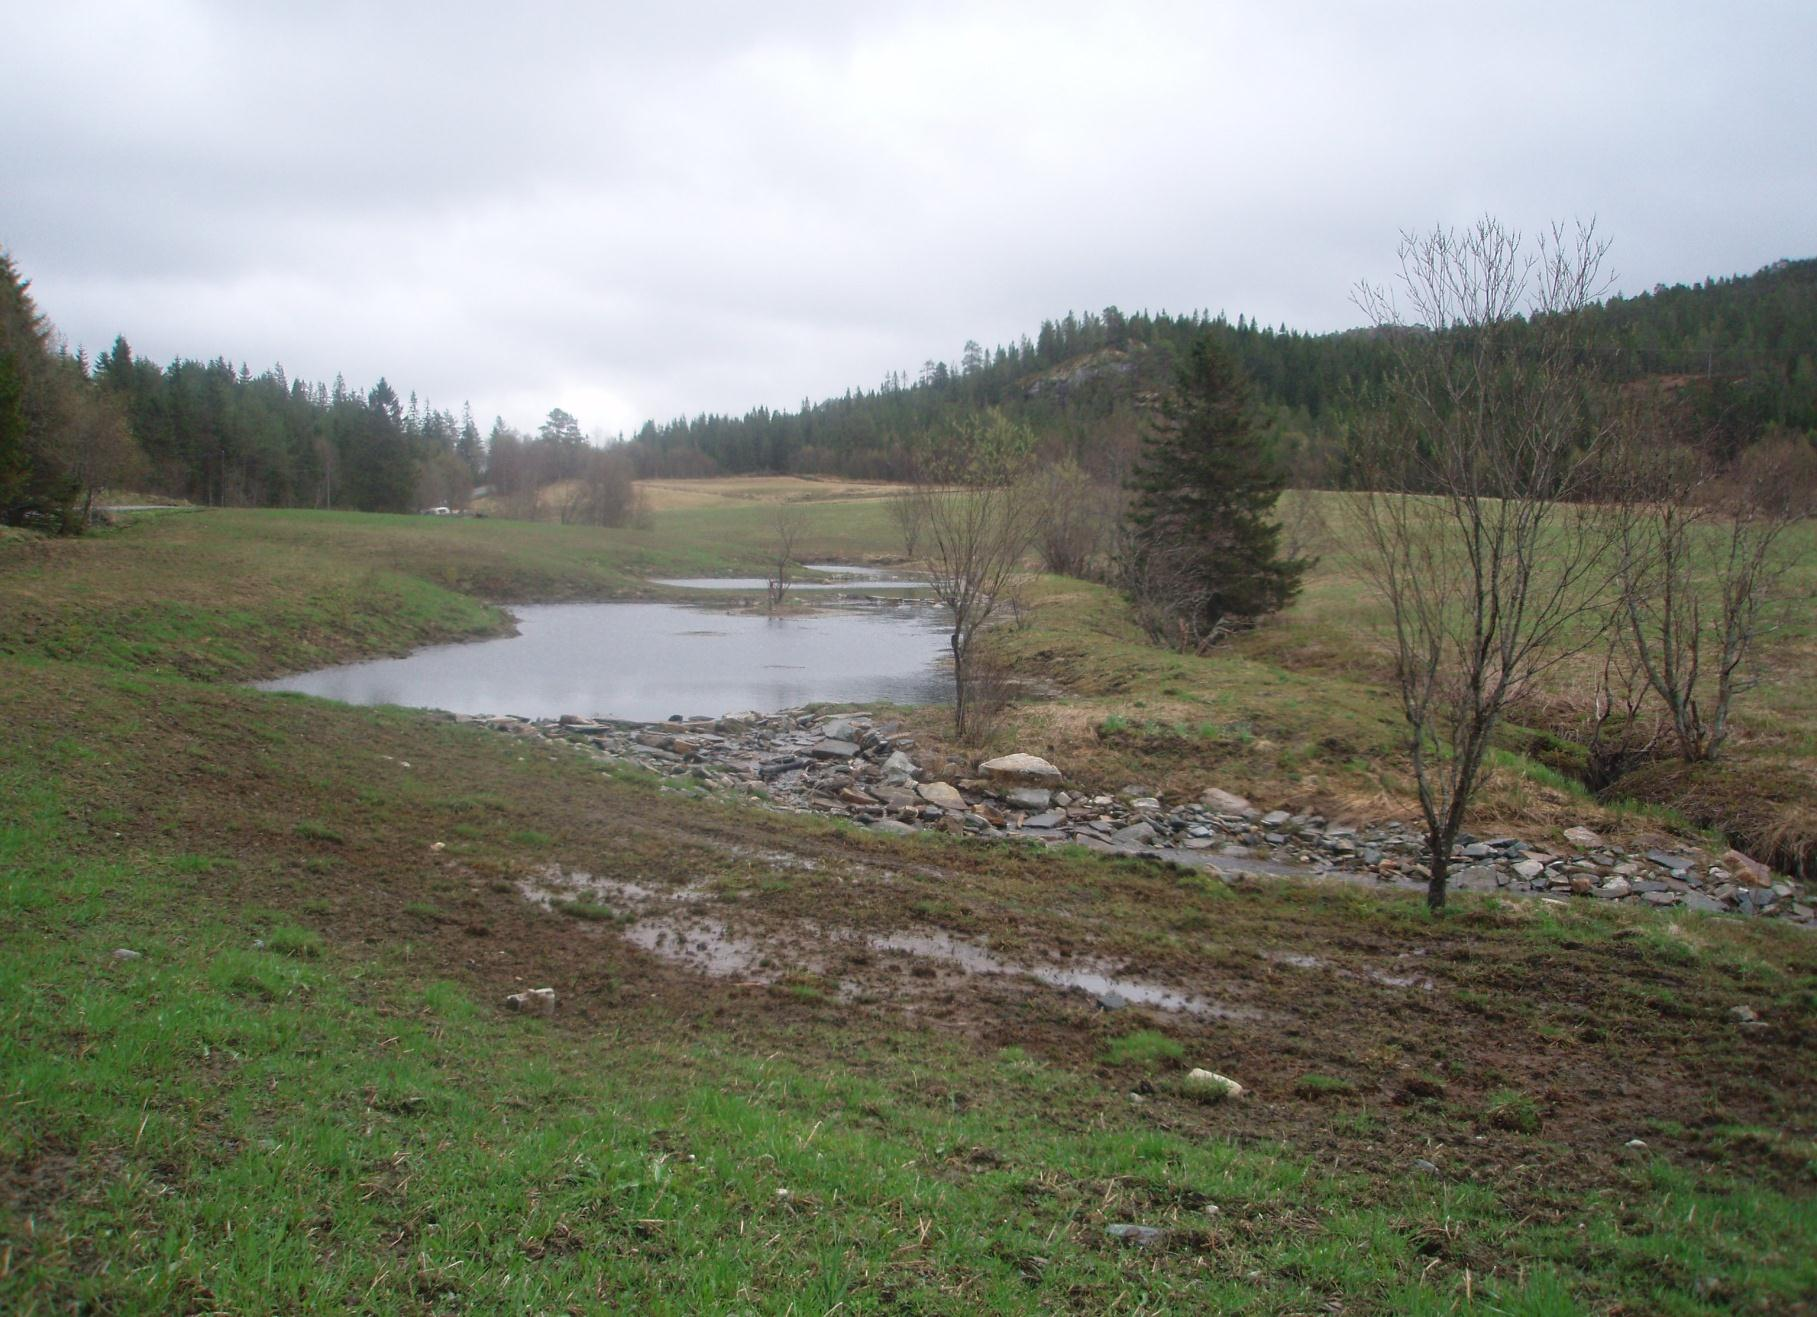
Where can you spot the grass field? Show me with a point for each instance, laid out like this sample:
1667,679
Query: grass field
303,1093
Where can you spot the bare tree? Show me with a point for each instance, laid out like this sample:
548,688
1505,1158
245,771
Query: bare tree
1623,731
95,445
787,525
977,519
604,492
1074,515
1701,565
908,512
1169,598
1468,523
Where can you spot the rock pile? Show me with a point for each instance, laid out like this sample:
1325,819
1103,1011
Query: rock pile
856,767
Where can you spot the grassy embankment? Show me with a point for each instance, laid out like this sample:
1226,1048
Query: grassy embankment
303,1093
1301,711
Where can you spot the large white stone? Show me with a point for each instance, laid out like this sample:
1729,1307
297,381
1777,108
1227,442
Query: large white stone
1220,801
1211,1086
943,794
1030,770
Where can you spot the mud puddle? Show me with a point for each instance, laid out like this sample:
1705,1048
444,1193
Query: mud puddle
674,925
1306,961
1093,980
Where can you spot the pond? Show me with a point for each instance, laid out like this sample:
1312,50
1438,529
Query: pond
647,661
854,580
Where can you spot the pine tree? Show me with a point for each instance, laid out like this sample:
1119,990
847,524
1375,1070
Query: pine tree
1205,546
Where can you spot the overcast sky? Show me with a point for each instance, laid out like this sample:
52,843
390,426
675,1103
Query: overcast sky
642,210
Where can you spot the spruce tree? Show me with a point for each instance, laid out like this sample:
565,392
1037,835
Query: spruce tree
1205,546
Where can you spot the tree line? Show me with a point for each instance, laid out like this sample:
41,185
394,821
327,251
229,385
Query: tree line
1733,359
217,434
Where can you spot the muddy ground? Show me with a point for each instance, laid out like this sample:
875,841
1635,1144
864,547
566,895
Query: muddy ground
1369,1035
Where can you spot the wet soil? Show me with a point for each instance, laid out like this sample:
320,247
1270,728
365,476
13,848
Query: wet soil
656,912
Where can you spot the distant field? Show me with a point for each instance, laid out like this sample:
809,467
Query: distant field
671,495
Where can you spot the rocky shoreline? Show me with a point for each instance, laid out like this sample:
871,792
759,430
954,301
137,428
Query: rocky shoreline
857,767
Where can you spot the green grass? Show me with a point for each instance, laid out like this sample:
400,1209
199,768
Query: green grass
1145,1049
1508,1110
1320,1086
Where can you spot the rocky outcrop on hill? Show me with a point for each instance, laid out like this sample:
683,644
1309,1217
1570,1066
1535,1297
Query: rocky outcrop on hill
857,767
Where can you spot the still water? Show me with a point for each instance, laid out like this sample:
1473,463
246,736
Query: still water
853,579
647,661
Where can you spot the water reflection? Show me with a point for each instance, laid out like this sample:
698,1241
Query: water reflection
648,661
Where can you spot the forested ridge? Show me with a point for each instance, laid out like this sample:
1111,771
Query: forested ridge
1739,355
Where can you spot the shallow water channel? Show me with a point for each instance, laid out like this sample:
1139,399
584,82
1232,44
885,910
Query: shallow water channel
647,661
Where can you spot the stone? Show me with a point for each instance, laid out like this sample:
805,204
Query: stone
1021,770
1614,889
1670,862
838,729
1052,819
1036,798
1275,818
1661,898
1145,803
535,1001
1225,802
893,828
834,749
899,767
1583,838
1748,870
1529,869
127,953
1425,1167
1478,850
943,794
1743,1014
1136,834
1210,1086
1140,1236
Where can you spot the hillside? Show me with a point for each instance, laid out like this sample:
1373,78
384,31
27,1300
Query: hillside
1740,352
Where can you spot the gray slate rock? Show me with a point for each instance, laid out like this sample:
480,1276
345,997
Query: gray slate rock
1139,1236
1136,834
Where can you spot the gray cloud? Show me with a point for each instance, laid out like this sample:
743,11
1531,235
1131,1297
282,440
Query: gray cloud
640,211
